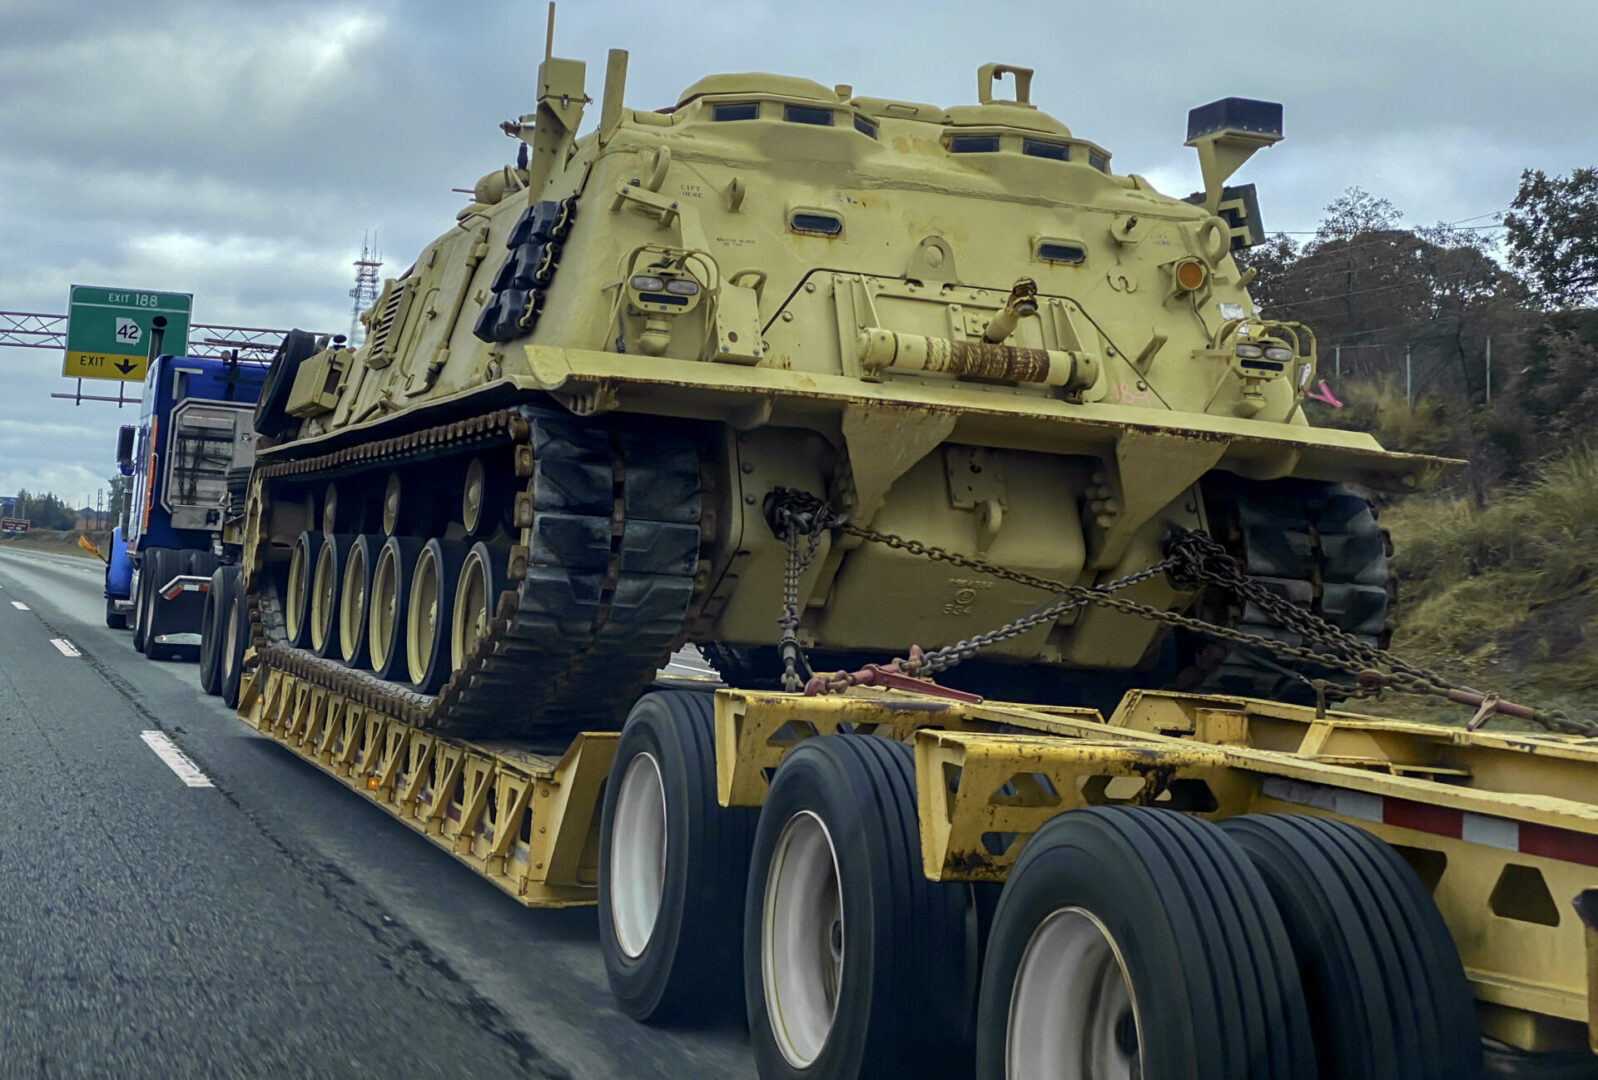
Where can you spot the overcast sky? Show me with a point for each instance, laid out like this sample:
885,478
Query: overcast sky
237,151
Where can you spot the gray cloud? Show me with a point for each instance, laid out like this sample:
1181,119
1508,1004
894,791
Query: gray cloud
239,150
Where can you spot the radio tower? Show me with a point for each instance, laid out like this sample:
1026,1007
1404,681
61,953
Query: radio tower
364,294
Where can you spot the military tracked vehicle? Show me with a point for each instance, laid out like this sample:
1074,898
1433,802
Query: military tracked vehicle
552,458
813,379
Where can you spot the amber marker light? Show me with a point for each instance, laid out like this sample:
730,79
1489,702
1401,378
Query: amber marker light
1189,274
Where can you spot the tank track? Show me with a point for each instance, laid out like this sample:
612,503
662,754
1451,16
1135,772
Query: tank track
607,575
1315,543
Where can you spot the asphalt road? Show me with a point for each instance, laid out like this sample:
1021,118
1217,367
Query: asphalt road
272,924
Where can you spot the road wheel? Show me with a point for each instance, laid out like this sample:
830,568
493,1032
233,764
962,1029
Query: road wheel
1134,942
235,639
391,593
428,616
672,867
115,619
482,580
854,963
1384,982
212,630
327,585
354,600
297,605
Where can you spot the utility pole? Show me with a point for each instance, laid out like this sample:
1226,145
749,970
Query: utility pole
1337,354
1489,371
1409,381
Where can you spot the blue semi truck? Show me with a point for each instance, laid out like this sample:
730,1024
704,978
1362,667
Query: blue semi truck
188,459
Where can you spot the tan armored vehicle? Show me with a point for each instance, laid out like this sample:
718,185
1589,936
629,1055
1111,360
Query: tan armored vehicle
649,369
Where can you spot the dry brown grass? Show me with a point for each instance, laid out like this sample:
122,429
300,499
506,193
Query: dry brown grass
1505,597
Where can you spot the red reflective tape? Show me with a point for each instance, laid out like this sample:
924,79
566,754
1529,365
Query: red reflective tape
1559,844
1439,820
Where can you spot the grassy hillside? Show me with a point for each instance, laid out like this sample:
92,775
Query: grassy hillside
1505,596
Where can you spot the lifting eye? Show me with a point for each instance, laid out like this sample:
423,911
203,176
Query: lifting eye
809,221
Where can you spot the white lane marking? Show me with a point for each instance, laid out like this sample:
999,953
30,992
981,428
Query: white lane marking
19,605
176,759
65,647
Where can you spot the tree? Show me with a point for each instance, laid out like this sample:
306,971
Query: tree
1553,235
44,511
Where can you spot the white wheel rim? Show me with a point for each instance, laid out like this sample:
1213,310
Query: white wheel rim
384,605
802,939
1072,1013
324,598
638,855
421,615
352,603
298,571
469,624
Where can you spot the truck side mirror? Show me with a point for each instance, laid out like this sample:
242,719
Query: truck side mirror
125,449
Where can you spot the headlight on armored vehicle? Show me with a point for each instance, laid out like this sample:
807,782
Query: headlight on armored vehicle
677,286
1275,352
1250,352
645,283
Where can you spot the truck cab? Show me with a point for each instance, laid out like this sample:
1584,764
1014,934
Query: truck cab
188,460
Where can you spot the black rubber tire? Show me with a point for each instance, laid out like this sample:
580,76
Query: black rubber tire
355,650
691,970
1385,986
1512,1064
161,565
450,554
405,550
211,629
116,620
300,638
237,612
1206,955
271,409
141,606
906,1010
339,545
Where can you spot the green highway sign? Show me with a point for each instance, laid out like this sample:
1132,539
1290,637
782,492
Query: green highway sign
108,330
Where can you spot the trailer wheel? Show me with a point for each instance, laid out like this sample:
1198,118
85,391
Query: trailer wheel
1134,942
672,867
854,963
235,640
1384,982
211,629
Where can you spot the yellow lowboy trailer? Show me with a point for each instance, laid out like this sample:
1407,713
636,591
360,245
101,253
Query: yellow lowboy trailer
1500,829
